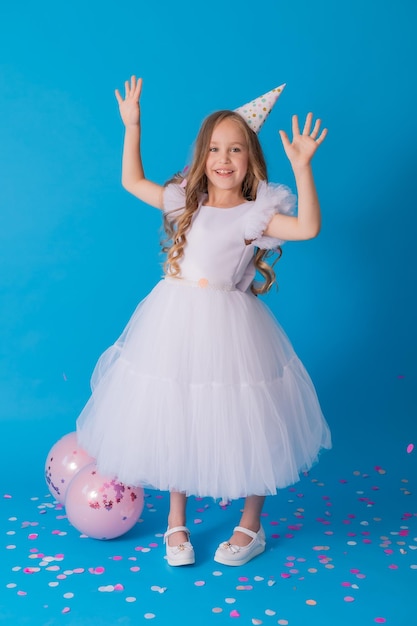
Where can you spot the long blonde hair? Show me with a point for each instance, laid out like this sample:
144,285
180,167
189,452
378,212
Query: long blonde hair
196,185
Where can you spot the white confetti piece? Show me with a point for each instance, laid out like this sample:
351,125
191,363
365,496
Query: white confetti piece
158,589
270,612
230,600
131,599
149,615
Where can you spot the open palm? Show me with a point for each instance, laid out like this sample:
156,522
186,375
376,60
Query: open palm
129,105
304,144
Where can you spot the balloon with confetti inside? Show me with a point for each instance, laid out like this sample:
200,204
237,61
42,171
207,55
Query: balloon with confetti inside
102,507
64,461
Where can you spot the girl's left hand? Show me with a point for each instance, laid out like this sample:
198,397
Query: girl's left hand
303,146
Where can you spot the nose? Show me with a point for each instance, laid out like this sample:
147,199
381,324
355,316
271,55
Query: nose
224,157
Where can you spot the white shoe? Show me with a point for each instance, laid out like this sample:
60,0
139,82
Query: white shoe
230,554
183,554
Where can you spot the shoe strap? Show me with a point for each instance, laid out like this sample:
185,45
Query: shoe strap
248,532
176,529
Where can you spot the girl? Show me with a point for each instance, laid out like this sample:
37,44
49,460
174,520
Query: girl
203,394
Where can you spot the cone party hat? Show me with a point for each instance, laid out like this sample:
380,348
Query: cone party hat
256,112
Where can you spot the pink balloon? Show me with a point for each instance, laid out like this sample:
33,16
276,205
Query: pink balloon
65,459
102,507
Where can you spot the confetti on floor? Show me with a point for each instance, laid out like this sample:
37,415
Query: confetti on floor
349,550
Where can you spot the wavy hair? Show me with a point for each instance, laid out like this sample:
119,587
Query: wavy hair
176,228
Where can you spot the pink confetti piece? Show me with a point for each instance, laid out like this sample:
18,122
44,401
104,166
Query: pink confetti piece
22,593
349,599
118,587
380,620
198,520
7,496
234,613
410,448
31,570
96,570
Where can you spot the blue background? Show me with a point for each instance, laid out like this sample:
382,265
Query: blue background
77,253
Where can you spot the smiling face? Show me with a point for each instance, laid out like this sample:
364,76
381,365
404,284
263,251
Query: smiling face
228,158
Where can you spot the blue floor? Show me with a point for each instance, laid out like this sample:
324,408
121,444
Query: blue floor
341,544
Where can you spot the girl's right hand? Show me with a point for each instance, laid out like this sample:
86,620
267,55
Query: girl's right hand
129,105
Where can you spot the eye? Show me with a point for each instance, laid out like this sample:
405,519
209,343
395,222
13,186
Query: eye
235,149
212,149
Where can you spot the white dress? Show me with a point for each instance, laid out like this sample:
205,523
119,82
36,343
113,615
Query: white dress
203,392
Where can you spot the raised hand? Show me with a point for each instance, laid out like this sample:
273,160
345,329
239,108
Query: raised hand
303,146
129,105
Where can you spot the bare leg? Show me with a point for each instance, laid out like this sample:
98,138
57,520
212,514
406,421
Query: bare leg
176,517
251,519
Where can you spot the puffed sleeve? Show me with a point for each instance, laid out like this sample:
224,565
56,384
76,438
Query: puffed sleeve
270,200
174,200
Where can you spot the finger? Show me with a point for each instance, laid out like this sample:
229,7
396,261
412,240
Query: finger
295,126
284,138
322,136
118,96
307,125
127,89
138,89
316,129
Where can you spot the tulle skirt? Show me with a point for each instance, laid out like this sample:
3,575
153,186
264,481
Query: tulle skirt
203,394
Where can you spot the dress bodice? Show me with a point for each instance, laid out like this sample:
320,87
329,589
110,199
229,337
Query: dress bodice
220,243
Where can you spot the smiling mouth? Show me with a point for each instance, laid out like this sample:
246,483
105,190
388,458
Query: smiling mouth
223,172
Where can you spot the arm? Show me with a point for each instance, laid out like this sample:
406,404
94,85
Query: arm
300,153
133,176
